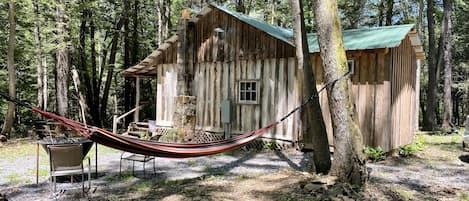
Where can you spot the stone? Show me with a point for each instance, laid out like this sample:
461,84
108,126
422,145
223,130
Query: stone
3,138
313,187
198,198
327,180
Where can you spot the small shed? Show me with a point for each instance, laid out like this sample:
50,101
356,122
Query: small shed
240,74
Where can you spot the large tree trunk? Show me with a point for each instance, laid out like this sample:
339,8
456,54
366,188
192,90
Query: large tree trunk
429,119
447,103
62,59
349,162
11,70
312,123
389,12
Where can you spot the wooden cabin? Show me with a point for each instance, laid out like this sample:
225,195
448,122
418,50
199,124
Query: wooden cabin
241,74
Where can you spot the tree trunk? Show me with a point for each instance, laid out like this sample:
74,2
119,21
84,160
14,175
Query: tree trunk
62,59
312,123
429,120
240,6
9,118
38,52
447,104
128,83
94,72
389,12
381,13
349,162
162,10
111,65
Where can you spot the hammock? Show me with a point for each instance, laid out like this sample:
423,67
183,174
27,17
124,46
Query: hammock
152,148
161,149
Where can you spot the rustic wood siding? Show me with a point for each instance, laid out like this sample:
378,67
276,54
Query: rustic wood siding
166,92
241,41
404,66
277,95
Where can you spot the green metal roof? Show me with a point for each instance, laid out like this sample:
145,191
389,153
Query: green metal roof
354,39
367,38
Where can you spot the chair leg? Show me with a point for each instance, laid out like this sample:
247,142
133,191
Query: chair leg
82,182
120,167
55,183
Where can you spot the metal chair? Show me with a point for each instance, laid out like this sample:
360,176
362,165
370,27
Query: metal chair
136,158
67,159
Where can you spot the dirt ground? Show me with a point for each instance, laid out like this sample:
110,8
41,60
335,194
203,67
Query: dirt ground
439,172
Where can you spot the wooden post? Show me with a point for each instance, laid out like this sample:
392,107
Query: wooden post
137,100
417,96
37,163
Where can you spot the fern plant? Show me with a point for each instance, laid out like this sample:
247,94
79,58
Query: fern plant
375,153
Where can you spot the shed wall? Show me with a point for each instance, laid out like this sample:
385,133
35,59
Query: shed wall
403,67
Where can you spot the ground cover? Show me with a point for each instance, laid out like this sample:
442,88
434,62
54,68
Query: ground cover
438,172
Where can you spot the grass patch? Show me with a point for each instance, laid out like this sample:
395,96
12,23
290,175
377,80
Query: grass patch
20,149
404,194
102,150
144,186
42,172
464,196
14,178
125,176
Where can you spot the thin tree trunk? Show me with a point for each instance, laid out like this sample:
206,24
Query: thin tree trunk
349,162
447,103
63,60
38,52
94,72
111,65
128,82
240,6
381,13
389,12
9,118
312,123
429,119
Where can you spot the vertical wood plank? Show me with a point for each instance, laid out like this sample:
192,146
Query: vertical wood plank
218,92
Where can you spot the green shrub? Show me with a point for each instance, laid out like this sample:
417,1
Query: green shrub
270,145
374,154
411,149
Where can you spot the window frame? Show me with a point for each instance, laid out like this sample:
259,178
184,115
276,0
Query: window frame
256,91
351,68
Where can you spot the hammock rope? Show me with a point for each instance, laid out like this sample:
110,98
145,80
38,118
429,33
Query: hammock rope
161,149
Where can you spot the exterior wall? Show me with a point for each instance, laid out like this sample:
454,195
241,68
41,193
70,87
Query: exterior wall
277,95
403,107
166,93
370,91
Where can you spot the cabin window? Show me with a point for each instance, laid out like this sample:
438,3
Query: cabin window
351,66
248,92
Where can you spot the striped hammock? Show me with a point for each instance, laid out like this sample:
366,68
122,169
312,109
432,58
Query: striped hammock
153,148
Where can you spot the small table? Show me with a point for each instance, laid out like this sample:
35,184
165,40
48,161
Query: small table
87,144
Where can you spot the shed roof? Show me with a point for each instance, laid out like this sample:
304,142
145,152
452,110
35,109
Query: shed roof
354,39
367,38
